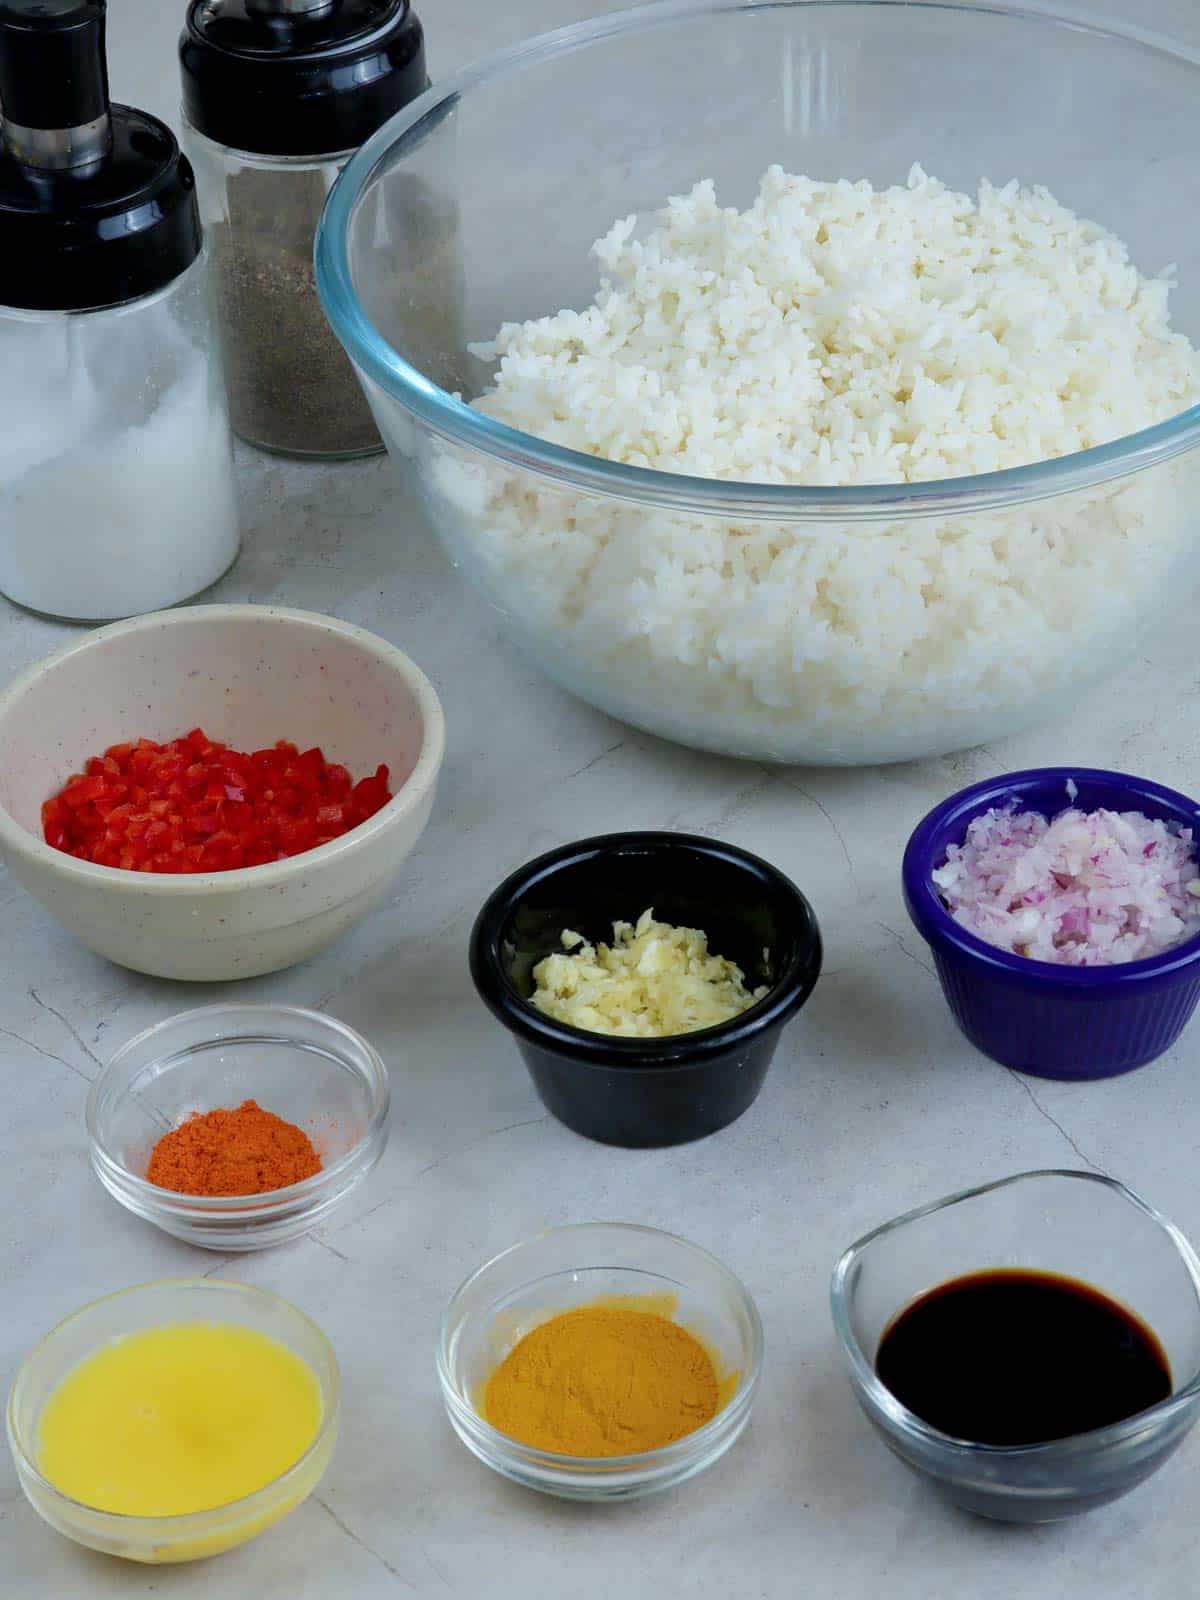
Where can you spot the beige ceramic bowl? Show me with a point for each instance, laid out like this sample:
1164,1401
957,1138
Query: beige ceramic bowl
248,675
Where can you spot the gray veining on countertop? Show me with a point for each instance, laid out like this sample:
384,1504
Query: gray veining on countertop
874,1104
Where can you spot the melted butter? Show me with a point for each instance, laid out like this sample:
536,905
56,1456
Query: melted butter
178,1419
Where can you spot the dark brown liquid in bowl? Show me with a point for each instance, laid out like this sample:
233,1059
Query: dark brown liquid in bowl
1019,1358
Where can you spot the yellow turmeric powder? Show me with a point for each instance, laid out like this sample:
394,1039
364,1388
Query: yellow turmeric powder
603,1380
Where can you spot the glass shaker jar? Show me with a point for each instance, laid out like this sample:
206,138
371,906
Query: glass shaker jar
116,472
277,95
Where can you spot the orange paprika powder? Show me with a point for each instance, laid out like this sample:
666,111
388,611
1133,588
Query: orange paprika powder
243,1151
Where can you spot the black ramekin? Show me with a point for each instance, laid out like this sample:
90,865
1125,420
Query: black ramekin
648,1092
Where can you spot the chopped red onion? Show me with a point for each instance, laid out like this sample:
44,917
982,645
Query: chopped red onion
1086,890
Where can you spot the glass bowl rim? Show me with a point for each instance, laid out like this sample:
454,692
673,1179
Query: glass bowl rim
200,885
880,1399
935,924
260,1208
453,419
182,1521
642,1462
612,1052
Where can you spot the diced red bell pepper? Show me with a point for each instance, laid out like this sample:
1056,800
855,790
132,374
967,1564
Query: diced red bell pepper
194,805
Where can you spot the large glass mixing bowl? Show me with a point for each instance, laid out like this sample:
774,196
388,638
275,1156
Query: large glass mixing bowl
825,625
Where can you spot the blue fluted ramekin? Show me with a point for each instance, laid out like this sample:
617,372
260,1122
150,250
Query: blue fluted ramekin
1049,1020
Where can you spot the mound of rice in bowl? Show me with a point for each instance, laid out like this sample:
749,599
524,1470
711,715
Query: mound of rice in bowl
833,334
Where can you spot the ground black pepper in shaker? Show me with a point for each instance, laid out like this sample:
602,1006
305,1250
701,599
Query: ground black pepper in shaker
278,94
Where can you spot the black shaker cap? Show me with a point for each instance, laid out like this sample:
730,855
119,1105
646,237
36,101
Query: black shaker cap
100,217
52,68
298,77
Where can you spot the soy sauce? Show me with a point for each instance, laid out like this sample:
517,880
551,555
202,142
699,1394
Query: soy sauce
1016,1357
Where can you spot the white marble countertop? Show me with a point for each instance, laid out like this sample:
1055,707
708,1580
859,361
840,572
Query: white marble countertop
875,1104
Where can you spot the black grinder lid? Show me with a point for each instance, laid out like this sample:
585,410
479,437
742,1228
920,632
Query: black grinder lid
97,205
298,77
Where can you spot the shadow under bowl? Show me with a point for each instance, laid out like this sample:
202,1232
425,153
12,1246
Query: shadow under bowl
648,1092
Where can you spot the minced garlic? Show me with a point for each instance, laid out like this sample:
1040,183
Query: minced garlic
654,980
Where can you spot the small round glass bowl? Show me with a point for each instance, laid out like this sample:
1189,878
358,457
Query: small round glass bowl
1076,1224
302,1065
648,1092
568,1267
150,1305
1052,1021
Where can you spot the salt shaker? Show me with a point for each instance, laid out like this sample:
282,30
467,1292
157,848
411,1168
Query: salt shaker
277,95
116,473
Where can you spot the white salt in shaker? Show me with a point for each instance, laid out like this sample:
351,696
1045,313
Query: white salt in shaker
116,475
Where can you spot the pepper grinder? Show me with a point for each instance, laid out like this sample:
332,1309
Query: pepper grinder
116,478
277,96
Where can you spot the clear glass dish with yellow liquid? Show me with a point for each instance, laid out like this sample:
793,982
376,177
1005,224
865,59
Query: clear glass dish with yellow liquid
601,1264
174,1420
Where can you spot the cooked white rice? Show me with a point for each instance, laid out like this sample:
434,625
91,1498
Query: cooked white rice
835,334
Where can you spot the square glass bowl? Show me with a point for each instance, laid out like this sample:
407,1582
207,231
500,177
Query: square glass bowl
304,1066
1037,1016
573,1266
1078,1225
197,1534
